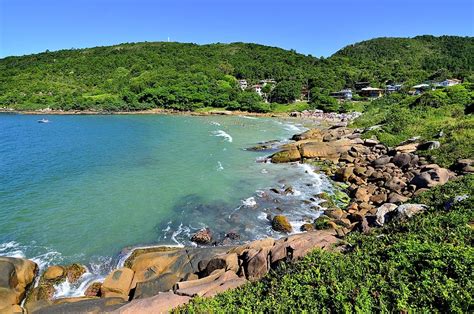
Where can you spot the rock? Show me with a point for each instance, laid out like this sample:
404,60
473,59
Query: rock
395,184
370,142
74,272
344,174
280,223
227,285
335,213
464,165
288,155
11,309
298,245
430,145
407,148
16,275
382,212
307,227
118,283
160,303
403,160
362,194
93,290
257,245
396,198
162,283
202,286
76,305
319,150
54,273
432,177
409,210
255,263
313,134
227,261
203,236
382,161
378,198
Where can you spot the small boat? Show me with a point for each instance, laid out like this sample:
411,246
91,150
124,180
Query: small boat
43,121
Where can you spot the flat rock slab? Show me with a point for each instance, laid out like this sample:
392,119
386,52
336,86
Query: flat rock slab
161,303
78,305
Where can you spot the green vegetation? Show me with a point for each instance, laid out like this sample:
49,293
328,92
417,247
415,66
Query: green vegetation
180,76
421,265
447,111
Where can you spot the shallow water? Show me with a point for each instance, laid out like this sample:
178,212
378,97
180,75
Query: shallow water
81,188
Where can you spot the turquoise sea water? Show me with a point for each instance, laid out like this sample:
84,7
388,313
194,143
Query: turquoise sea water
81,188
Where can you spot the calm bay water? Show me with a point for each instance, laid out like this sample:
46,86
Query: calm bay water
81,188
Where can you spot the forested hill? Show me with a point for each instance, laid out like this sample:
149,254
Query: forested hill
189,76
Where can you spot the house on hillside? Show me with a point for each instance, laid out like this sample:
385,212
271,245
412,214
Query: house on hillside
448,82
360,85
371,92
419,89
258,89
392,88
267,81
243,84
343,94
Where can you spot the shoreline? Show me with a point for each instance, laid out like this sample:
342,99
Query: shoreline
337,222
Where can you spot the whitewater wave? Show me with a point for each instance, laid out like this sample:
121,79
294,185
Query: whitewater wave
223,134
249,202
248,117
219,166
215,123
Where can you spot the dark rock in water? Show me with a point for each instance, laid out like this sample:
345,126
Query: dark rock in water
266,146
203,236
280,223
289,190
289,155
232,236
275,190
74,272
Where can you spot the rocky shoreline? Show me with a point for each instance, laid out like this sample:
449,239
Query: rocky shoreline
380,181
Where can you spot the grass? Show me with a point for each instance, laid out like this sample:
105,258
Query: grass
422,265
297,106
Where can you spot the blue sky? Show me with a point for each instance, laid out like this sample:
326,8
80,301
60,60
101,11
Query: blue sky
314,27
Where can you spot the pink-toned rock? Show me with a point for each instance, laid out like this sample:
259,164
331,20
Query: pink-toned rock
118,283
202,289
164,302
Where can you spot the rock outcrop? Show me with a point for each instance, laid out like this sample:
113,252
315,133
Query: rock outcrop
16,275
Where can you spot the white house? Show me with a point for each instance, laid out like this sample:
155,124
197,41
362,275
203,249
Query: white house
448,82
258,89
243,84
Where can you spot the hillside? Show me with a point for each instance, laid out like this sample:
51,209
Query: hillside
189,76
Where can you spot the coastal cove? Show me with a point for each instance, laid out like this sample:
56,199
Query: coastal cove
83,188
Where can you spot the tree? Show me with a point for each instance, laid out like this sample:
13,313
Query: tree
286,92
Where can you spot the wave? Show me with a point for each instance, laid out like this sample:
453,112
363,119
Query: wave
215,123
247,117
249,202
223,134
219,166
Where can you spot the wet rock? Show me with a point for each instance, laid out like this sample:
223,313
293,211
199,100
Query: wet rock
203,236
55,272
93,290
118,283
16,274
288,155
160,303
74,272
280,223
307,227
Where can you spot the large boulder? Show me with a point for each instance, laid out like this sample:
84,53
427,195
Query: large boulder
256,263
118,283
54,272
162,283
431,176
280,223
229,261
287,155
16,275
313,134
211,285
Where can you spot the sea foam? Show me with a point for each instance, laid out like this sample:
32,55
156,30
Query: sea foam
223,134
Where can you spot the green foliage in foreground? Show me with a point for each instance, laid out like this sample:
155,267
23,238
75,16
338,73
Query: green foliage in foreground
446,110
421,265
